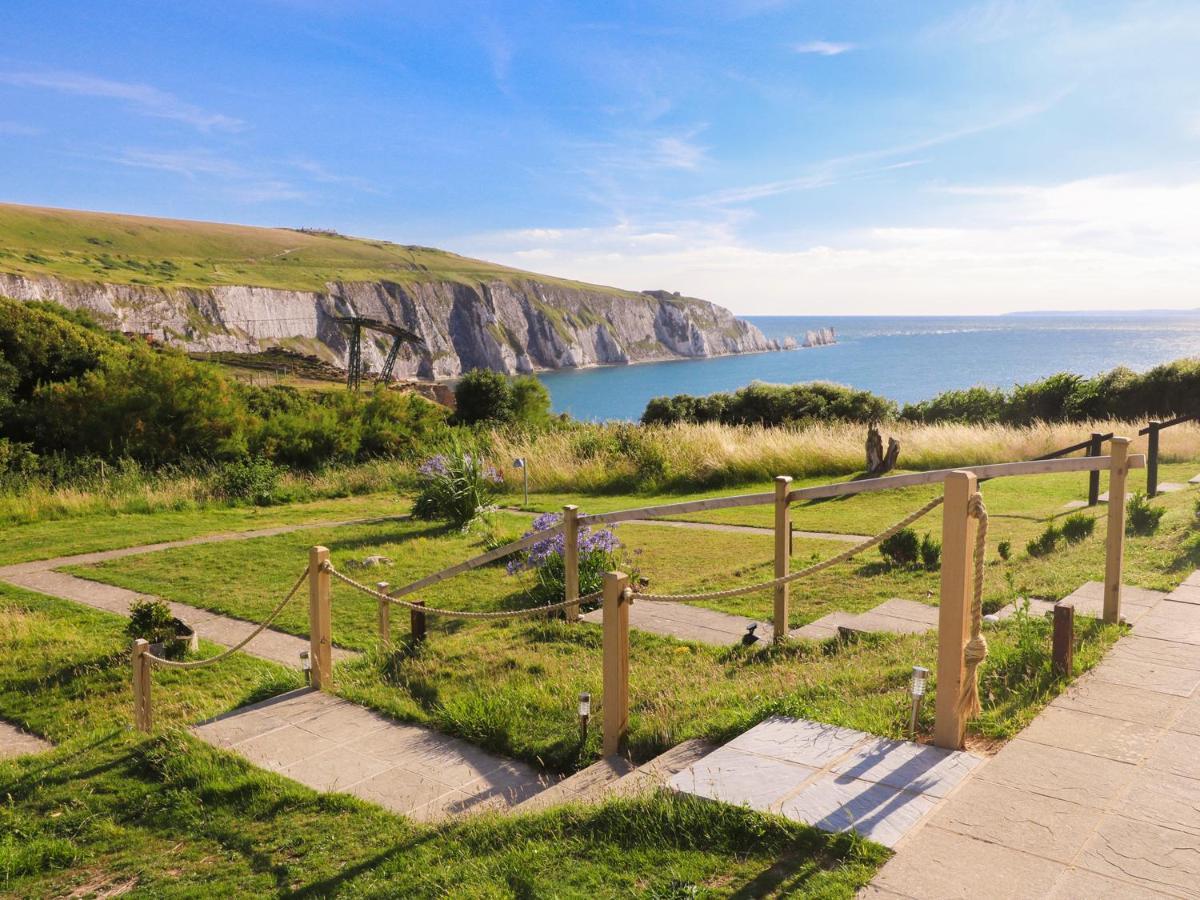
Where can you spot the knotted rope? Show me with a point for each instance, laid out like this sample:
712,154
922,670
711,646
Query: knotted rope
803,573
976,650
201,663
459,613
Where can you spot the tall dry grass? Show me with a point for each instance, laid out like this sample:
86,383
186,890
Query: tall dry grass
601,458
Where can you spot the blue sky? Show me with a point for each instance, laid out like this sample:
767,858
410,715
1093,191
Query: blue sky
776,157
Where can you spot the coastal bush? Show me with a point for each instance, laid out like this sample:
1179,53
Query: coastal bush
545,560
1078,527
931,553
254,479
1142,518
1164,391
772,404
1004,549
485,396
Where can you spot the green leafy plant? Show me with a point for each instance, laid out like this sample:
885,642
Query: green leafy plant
598,553
456,487
1140,517
152,620
931,553
902,549
1046,542
1078,527
1004,548
255,479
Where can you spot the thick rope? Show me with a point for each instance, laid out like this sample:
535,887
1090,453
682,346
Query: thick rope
976,650
201,663
459,613
803,573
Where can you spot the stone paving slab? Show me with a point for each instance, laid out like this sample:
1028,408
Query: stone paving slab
1104,497
330,744
823,628
1098,798
1195,479
1170,487
833,778
1088,600
15,741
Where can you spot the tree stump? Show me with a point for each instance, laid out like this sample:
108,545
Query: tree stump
879,462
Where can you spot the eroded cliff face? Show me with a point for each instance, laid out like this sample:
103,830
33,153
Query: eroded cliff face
512,327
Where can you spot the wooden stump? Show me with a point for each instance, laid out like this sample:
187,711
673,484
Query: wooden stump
878,462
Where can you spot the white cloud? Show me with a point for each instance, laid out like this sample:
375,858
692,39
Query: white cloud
1117,242
143,98
824,48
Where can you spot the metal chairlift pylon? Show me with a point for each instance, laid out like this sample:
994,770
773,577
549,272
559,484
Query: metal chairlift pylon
354,366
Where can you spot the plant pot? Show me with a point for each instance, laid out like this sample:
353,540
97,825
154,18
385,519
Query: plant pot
185,639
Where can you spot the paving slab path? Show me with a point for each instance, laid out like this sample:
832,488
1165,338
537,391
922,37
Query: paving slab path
332,744
1098,798
836,779
15,741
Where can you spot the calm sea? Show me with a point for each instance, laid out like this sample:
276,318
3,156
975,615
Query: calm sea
905,358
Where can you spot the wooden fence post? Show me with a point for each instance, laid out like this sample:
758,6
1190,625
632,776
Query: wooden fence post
954,613
1062,653
1095,448
143,716
1151,459
417,622
385,619
1114,559
571,560
783,540
319,625
616,661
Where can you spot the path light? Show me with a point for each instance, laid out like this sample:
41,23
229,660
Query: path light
585,711
920,675
306,666
519,463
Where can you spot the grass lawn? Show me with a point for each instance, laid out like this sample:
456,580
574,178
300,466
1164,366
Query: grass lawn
111,811
511,686
87,534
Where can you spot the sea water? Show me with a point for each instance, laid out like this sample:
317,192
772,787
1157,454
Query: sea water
906,358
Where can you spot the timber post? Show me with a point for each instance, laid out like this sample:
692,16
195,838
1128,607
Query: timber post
385,619
143,716
616,661
1094,449
417,623
1114,559
319,624
1152,459
783,552
1062,653
954,612
571,561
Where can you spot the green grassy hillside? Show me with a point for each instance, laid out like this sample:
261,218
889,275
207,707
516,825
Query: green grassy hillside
124,249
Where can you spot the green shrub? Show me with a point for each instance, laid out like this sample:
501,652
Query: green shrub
1004,548
931,553
902,549
772,404
1140,517
455,487
1078,527
254,479
485,396
1046,542
597,554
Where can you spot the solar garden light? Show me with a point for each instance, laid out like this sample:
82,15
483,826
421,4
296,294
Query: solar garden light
585,711
519,463
920,675
306,666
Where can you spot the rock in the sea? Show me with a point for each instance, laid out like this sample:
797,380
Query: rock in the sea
820,338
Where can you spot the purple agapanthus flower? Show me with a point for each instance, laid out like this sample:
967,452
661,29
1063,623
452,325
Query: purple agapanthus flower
434,467
588,542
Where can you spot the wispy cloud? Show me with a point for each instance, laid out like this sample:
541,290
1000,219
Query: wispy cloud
824,48
319,173
142,98
188,163
18,129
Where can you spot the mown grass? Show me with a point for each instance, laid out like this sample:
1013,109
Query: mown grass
511,686
111,811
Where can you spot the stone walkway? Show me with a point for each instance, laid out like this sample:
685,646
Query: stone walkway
833,778
1098,798
688,623
16,742
330,744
